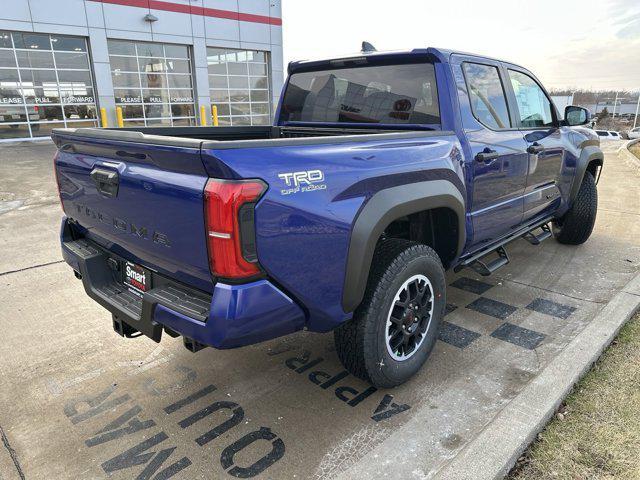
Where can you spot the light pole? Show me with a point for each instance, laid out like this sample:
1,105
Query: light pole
635,119
615,104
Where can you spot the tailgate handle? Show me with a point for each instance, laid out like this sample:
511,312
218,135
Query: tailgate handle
137,156
107,181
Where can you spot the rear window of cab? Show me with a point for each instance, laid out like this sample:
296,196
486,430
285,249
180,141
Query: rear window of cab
380,94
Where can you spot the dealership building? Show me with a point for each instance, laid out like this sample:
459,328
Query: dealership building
156,62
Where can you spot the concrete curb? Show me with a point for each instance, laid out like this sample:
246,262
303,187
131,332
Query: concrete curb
624,152
495,450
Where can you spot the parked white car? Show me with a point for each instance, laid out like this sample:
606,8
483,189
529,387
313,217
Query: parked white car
608,135
634,133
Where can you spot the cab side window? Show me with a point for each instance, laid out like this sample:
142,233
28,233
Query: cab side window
533,105
488,101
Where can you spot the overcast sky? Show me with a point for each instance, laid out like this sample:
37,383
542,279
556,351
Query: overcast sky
566,43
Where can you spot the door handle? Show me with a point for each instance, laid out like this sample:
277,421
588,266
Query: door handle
107,181
535,148
486,155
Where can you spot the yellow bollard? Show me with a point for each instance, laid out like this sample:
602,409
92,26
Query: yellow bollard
103,117
214,115
203,116
119,117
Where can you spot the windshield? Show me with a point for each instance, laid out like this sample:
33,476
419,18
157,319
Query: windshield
383,94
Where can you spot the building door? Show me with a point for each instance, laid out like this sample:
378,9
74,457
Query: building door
239,86
45,83
152,83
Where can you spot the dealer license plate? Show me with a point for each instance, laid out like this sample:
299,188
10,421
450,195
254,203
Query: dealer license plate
136,277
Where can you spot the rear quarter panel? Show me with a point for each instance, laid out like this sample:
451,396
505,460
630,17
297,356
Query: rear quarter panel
303,236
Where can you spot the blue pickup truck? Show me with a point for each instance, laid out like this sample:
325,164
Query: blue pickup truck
382,171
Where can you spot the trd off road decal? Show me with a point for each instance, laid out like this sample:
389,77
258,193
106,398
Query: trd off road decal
304,181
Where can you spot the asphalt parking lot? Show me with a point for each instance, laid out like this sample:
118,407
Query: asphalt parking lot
78,401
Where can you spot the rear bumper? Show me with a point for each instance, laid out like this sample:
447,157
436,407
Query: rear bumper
233,316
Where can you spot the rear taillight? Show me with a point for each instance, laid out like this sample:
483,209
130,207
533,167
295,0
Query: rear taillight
229,208
55,172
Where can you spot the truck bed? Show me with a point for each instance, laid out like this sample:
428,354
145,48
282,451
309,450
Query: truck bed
241,137
252,132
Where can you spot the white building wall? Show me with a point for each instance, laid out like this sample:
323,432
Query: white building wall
99,20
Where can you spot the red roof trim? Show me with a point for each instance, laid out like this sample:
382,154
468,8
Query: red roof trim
207,12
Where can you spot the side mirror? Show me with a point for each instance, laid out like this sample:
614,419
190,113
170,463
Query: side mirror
576,115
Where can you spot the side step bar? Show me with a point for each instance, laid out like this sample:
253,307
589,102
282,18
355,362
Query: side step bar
534,239
477,263
486,269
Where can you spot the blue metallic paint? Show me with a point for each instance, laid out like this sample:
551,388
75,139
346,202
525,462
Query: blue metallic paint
303,238
240,315
167,202
495,188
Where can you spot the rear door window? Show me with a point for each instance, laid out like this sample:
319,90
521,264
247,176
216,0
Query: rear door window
380,94
533,104
486,94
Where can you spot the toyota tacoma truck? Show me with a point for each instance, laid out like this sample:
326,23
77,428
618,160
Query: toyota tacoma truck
381,171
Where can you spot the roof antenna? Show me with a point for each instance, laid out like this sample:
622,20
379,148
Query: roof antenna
367,47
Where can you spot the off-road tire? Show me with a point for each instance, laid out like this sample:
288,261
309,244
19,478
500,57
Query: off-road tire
575,227
360,342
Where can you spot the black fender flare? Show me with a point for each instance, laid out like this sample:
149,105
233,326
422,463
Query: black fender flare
383,208
589,154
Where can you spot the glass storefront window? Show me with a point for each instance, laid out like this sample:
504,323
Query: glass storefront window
16,130
31,41
76,60
9,78
68,44
152,83
12,114
5,40
7,58
79,112
239,86
34,59
176,51
45,83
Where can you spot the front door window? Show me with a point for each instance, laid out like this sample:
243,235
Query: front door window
533,104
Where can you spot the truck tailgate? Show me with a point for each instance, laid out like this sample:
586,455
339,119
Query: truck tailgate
140,201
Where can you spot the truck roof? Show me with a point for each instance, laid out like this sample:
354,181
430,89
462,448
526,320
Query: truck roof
441,54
